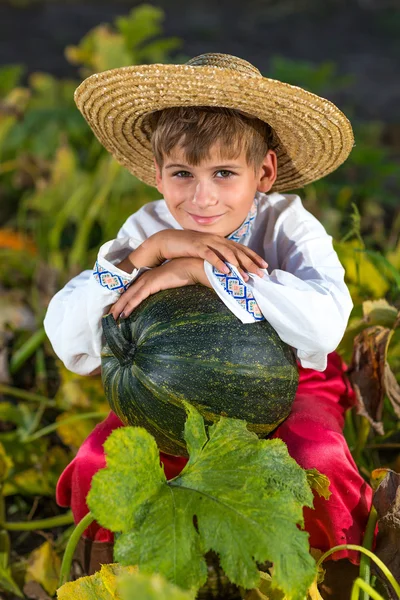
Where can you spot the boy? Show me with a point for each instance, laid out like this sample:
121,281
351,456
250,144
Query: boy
220,142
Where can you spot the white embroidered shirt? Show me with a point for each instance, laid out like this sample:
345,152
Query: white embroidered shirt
302,293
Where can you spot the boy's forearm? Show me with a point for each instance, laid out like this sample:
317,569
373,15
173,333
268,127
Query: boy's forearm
144,255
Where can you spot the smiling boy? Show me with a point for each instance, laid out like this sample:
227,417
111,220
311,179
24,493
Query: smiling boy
222,143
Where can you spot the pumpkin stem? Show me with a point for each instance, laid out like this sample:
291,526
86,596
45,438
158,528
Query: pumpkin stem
119,346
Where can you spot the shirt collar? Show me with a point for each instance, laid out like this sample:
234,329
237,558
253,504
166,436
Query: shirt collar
242,233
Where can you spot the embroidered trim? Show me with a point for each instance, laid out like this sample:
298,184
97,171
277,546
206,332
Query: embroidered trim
236,287
109,280
244,229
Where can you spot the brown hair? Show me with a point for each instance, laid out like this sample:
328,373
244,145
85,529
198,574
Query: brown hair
197,128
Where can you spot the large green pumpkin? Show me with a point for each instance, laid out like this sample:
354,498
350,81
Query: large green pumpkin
186,344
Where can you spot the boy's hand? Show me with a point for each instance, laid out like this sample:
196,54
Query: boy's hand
171,244
176,273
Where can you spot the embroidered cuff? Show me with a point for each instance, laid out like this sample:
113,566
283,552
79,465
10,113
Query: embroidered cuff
109,280
234,293
106,273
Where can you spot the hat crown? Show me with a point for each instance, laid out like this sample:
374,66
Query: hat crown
224,61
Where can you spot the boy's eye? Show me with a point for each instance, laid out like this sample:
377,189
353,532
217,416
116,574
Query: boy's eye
181,173
224,174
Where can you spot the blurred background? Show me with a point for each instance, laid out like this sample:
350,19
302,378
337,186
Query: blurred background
62,196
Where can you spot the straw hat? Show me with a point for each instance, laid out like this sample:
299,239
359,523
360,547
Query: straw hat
312,137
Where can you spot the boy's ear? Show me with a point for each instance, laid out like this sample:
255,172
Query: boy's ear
268,172
158,177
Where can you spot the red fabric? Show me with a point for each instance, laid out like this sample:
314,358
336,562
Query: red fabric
313,434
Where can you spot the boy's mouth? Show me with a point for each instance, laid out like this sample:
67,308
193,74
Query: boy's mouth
204,220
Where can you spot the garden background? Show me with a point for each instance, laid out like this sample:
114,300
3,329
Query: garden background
62,196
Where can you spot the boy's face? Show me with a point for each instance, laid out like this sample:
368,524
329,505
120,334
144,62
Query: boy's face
215,196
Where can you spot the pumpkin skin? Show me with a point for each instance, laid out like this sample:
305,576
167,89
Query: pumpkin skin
184,343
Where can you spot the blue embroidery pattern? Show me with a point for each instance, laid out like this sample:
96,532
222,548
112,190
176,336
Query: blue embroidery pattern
232,283
235,286
110,280
244,230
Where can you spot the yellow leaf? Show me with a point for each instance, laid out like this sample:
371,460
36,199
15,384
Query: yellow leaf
319,483
360,272
78,391
377,476
313,592
73,434
41,478
44,567
100,586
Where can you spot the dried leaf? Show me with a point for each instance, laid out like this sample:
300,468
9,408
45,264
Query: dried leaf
34,591
367,373
44,567
319,483
387,503
377,476
392,389
380,312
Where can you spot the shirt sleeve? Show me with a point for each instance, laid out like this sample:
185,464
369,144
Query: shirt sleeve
306,301
73,318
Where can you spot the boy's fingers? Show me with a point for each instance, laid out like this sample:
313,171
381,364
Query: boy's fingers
260,262
251,266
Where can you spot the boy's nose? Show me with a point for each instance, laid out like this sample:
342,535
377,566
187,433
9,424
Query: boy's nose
205,195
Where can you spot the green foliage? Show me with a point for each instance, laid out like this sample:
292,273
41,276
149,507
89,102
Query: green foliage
133,40
71,194
245,494
10,76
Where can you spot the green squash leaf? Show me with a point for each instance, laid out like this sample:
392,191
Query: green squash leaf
150,587
132,476
239,496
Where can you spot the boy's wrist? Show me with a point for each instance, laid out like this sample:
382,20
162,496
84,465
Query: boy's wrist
146,255
126,265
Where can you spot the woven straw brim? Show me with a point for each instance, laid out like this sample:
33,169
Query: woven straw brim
312,136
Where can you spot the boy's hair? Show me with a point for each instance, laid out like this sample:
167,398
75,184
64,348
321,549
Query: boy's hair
197,128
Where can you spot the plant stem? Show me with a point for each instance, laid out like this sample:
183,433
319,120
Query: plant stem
70,549
362,437
367,589
4,537
58,521
21,355
24,395
373,556
50,428
365,562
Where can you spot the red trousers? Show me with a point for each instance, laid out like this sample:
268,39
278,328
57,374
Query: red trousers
313,435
